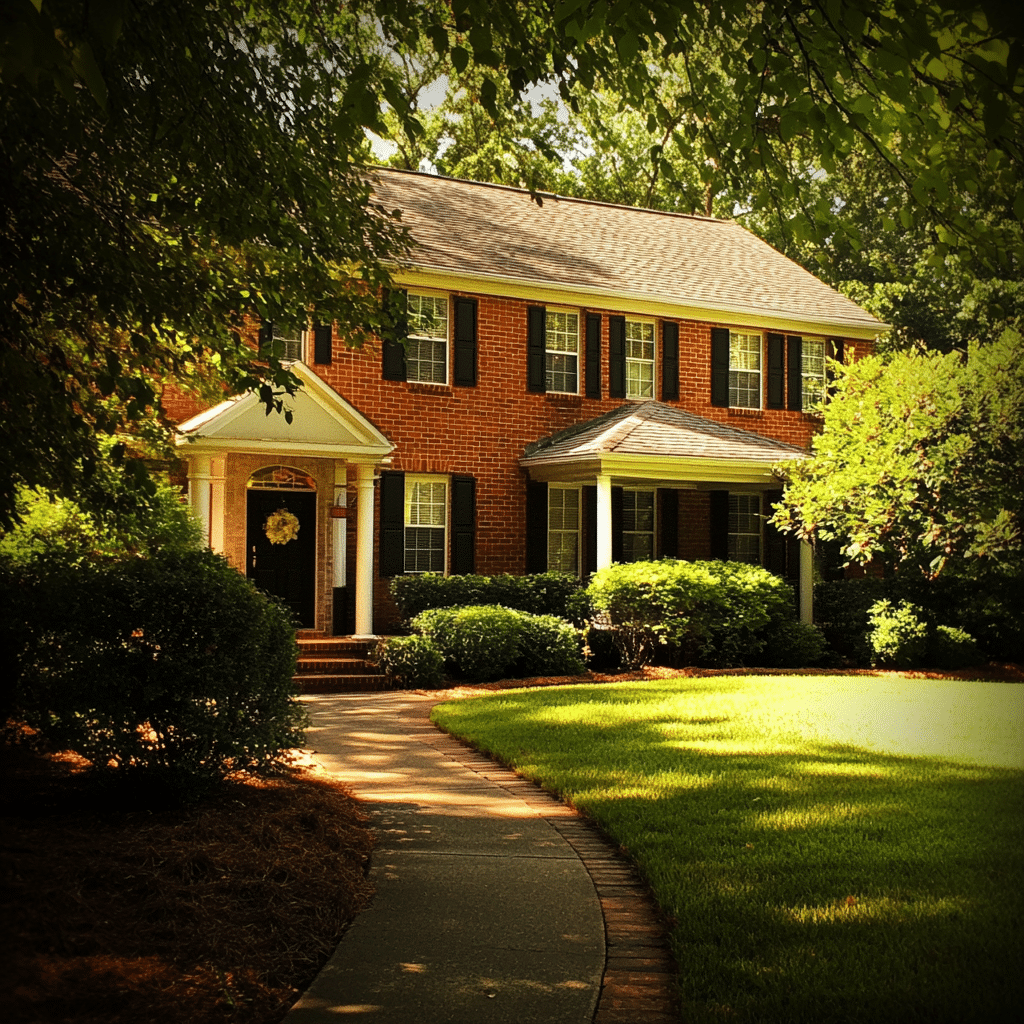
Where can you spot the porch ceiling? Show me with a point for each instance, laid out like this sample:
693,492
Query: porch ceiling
648,441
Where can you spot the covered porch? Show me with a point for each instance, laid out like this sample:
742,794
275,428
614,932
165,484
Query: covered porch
648,447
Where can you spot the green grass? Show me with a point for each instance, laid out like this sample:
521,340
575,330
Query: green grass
828,849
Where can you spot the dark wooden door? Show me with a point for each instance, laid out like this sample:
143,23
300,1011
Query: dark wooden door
286,570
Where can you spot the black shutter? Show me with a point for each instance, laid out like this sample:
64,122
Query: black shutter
593,355
720,524
266,337
833,349
465,343
774,541
794,371
393,342
616,524
536,356
392,524
536,526
776,371
463,525
616,357
590,527
720,366
669,361
322,334
668,522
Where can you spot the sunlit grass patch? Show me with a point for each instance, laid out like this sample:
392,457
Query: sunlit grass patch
820,860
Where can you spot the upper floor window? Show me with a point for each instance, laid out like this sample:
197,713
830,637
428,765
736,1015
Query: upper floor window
637,525
426,519
427,348
639,359
561,351
812,374
564,529
745,528
744,370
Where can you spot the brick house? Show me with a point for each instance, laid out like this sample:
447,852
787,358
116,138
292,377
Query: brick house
582,383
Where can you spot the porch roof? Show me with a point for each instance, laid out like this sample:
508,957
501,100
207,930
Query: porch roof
654,441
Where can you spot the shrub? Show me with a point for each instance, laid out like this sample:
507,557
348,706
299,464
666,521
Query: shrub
546,593
841,611
951,648
490,642
411,662
792,644
704,612
173,670
898,634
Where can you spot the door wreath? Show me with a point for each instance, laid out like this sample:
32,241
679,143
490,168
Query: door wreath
281,527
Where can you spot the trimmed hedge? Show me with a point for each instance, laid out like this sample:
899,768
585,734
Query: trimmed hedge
709,613
546,593
485,642
411,662
173,670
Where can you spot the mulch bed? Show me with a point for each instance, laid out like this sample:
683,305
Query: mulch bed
220,913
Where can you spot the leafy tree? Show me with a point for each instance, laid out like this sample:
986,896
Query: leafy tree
920,461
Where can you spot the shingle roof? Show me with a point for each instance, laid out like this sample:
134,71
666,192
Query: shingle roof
465,227
651,428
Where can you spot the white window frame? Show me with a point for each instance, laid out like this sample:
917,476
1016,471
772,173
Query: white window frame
414,518
638,388
628,549
812,374
746,527
423,333
566,536
294,346
745,380
561,352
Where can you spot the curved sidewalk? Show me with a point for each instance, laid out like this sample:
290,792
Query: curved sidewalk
495,902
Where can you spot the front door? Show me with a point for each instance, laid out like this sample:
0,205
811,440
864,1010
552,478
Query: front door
281,550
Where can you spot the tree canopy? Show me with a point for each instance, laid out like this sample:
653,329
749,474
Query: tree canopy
170,172
920,460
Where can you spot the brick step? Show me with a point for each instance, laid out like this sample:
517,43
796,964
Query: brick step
322,664
340,684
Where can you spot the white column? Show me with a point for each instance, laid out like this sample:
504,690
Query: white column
364,550
806,582
217,505
199,492
604,521
340,550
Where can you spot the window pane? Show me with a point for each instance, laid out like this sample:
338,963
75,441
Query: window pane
563,529
637,525
745,370
562,332
813,374
426,361
425,503
745,528
563,552
424,549
428,316
639,359
560,373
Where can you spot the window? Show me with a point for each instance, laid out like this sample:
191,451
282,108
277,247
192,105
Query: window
425,522
637,525
812,374
427,351
744,370
563,530
292,344
639,359
561,351
745,528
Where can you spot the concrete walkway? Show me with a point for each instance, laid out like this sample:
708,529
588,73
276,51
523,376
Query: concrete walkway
485,911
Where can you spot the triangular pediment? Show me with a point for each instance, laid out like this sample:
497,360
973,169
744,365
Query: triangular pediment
322,423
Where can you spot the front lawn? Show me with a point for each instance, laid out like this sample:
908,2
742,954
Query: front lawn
828,848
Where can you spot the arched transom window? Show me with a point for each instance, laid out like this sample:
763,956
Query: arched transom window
281,478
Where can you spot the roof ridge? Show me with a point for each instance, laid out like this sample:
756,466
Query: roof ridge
558,197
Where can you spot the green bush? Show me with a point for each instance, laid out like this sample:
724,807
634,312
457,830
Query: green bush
792,644
841,611
712,613
546,593
411,662
898,634
950,647
172,670
484,642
